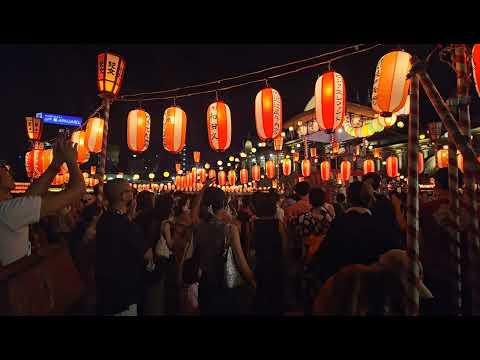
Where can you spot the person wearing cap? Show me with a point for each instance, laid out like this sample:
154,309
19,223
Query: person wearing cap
17,213
380,289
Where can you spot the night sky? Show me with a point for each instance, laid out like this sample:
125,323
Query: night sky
61,79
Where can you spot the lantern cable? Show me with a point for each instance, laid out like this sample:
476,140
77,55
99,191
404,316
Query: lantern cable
355,47
123,99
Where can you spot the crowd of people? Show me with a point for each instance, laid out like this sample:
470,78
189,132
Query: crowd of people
212,253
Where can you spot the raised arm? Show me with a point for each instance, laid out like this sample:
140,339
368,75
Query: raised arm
51,203
239,256
195,213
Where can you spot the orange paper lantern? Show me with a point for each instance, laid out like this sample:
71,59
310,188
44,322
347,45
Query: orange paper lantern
368,167
34,128
202,174
278,143
243,176
94,134
219,126
222,178
138,130
313,152
111,69
390,87
442,158
174,129
287,167
196,157
232,177
421,165
212,174
330,101
178,167
268,114
345,170
270,169
476,66
325,170
460,161
78,137
256,172
306,168
296,156
392,166
376,153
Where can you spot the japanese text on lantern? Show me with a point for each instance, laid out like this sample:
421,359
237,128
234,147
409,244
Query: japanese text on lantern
277,112
213,119
376,81
338,97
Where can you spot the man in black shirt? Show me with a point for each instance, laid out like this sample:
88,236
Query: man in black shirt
120,249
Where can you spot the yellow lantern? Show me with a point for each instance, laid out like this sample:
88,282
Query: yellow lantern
111,69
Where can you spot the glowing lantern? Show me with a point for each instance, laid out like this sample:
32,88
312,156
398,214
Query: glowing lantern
232,177
296,156
476,66
335,148
345,170
330,101
287,167
392,166
178,167
405,110
442,158
58,180
138,130
31,158
278,143
93,170
270,169
460,161
111,69
368,167
268,114
196,157
325,170
189,179
202,173
94,134
78,137
34,128
91,182
387,121
313,152
222,178
212,174
390,87
421,165
376,153
243,176
178,181
306,168
256,172
66,178
219,126
174,129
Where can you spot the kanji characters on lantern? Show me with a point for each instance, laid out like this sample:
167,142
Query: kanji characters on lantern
268,114
219,126
111,69
34,128
330,101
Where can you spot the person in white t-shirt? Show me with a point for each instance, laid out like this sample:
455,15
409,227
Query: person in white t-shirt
17,213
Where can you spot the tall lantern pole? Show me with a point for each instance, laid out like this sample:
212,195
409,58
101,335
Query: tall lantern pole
110,72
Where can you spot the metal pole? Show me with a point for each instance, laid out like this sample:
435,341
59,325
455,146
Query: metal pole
107,100
413,303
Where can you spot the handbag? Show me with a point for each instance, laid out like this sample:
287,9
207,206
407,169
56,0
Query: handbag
232,276
161,247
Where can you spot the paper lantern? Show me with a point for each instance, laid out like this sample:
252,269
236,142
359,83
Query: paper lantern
78,137
111,69
194,174
138,130
376,153
278,143
270,169
256,172
268,114
390,87
93,170
219,126
202,174
368,167
58,180
442,158
460,161
330,101
420,164
312,127
94,134
212,174
32,157
222,178
405,110
306,168
189,179
287,167
34,128
178,167
335,148
325,170
345,170
174,129
66,178
196,157
476,66
178,181
296,156
232,177
243,176
392,166
313,152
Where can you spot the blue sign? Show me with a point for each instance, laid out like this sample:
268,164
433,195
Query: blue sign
60,119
